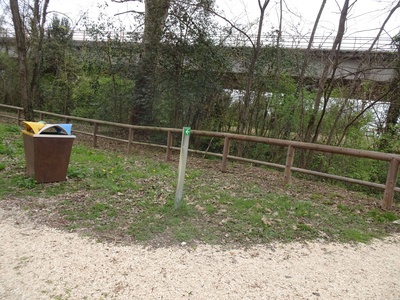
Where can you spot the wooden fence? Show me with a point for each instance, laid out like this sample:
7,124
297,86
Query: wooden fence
393,159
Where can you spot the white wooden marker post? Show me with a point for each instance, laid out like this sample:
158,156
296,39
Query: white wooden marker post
182,166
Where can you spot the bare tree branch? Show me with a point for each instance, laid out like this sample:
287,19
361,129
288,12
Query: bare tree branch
233,25
129,11
123,1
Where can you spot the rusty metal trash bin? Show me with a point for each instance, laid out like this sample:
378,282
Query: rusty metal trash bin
47,151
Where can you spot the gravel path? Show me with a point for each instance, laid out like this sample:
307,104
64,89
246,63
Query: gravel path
38,262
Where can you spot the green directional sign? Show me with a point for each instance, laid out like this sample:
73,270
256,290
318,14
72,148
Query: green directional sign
186,130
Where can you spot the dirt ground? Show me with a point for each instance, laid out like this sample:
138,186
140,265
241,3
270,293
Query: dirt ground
38,262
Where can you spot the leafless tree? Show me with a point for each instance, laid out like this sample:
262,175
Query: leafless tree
392,92
256,46
307,57
329,70
22,60
29,62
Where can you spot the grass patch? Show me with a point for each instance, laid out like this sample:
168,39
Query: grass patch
115,197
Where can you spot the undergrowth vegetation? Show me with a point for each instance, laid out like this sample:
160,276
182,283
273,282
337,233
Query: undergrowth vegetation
118,198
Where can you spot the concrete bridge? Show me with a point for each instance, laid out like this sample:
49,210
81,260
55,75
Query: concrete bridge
376,67
355,59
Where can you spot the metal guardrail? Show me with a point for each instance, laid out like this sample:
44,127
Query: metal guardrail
393,159
349,43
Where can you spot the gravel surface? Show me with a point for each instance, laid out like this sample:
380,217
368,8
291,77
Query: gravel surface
37,262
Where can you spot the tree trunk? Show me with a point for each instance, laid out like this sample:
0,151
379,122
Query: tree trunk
329,67
393,114
22,61
29,66
300,83
37,25
329,70
244,112
392,88
156,12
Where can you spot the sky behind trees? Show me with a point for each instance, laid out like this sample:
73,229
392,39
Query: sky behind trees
366,16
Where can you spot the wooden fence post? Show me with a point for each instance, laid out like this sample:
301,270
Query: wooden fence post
169,146
19,116
224,164
95,130
41,116
130,140
390,184
289,163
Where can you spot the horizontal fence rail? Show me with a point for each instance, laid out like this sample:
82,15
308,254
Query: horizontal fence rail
393,159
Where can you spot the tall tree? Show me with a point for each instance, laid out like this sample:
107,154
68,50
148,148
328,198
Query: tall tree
19,28
29,62
188,88
58,68
300,84
329,70
249,90
393,90
393,113
156,12
155,23
256,47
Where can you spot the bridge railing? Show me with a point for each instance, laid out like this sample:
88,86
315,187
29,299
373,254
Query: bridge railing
15,113
349,43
